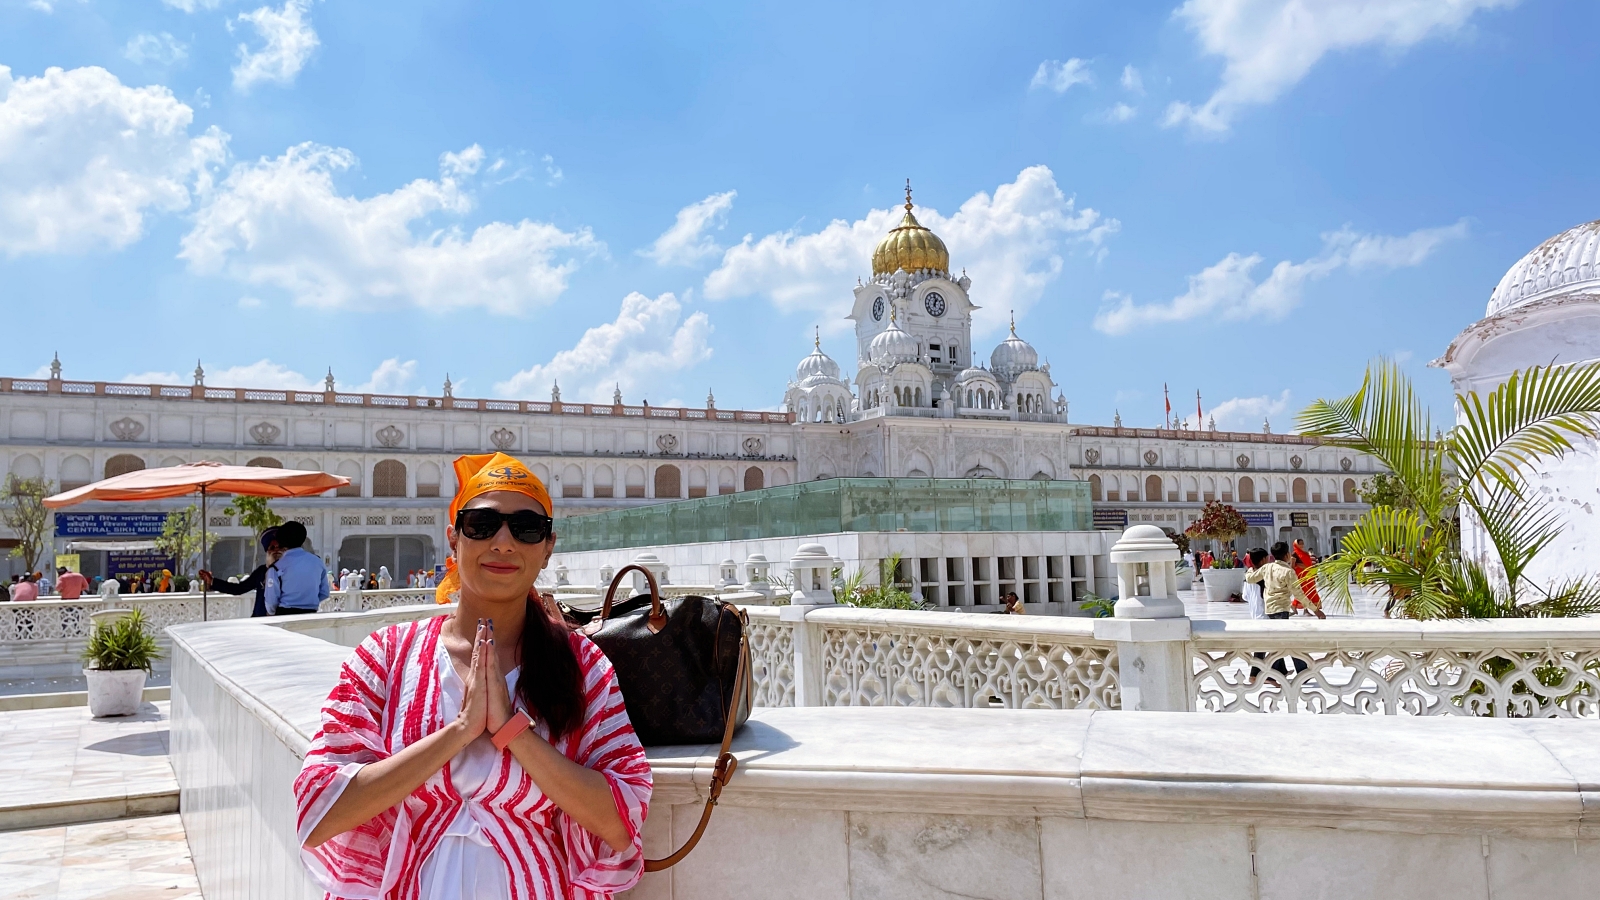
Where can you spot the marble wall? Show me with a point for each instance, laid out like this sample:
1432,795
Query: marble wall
946,803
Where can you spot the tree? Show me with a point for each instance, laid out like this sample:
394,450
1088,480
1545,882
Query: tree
1219,522
24,512
1481,468
181,539
253,513
1384,489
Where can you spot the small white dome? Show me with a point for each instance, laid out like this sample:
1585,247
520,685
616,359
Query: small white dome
974,374
1568,263
892,346
816,367
1014,356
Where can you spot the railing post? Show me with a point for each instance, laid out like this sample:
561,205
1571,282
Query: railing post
812,570
1150,627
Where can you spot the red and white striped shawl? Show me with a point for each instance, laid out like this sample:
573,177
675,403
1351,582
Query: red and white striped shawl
388,697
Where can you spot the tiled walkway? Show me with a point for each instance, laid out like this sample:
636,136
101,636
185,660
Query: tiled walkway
127,859
62,765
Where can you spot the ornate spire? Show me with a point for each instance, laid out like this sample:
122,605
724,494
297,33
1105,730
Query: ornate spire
816,340
711,399
327,383
1266,426
199,375
555,392
449,389
908,195
616,395
55,368
1013,322
1116,421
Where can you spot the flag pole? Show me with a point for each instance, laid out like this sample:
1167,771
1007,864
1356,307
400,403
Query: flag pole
205,540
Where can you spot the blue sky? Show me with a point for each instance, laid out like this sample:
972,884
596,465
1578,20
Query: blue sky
1246,197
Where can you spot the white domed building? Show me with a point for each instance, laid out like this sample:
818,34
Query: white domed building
1545,310
818,393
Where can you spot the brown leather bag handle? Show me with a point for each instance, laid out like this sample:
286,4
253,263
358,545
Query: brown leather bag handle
727,763
658,615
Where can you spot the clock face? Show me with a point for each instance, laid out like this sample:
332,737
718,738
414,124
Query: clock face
934,304
877,310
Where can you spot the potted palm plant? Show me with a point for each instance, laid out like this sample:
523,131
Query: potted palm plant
119,657
1221,523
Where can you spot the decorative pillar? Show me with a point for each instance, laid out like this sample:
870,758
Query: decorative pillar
755,574
730,574
1150,626
812,570
561,575
657,568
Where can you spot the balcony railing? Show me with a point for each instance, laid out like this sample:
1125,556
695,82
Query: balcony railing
385,401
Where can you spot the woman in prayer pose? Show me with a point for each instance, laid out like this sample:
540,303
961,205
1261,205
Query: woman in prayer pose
483,753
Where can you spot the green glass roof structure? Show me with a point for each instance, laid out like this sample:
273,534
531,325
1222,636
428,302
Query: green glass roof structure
838,505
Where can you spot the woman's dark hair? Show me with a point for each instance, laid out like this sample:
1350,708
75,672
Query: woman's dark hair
1257,557
550,684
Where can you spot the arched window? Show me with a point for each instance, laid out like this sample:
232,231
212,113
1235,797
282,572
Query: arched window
122,464
265,462
1247,489
572,482
697,481
1094,488
75,473
603,480
635,483
1152,488
725,480
1299,489
389,478
754,479
353,472
919,397
669,482
427,480
1350,495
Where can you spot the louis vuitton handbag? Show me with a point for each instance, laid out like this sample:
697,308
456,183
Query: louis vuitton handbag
683,666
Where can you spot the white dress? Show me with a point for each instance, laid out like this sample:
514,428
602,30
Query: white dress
465,865
1256,599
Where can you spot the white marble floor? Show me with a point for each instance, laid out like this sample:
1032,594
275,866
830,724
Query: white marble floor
63,765
125,859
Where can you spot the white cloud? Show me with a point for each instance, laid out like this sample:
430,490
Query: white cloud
1229,289
288,41
1011,243
1269,45
1122,112
390,377
1247,413
1059,76
649,340
83,159
1131,80
190,6
687,242
283,223
552,171
161,49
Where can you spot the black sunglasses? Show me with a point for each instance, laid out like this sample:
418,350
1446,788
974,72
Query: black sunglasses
482,523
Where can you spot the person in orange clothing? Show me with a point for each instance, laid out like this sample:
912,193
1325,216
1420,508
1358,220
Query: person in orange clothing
1303,567
69,584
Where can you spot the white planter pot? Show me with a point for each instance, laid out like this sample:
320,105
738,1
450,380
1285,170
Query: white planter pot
1185,578
115,692
1221,583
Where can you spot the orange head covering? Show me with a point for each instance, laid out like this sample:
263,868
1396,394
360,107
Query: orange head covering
479,474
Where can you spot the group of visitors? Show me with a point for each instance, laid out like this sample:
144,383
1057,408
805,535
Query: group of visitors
292,582
33,585
1282,586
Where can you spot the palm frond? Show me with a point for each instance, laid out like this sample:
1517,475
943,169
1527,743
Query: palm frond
1394,548
1519,523
1535,414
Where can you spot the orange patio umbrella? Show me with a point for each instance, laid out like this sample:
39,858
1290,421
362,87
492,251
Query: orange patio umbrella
204,478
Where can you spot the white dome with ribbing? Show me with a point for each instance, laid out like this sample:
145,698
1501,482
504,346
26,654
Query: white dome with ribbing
1568,263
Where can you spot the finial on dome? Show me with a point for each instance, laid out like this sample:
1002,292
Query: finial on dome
1013,321
199,375
816,341
449,389
55,368
908,195
327,383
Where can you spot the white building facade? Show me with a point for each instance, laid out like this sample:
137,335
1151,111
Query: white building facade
920,402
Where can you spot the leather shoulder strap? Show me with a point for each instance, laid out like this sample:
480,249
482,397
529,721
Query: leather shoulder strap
727,763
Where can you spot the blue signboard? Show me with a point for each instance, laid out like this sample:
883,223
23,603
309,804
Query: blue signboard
109,525
1262,517
1110,518
138,562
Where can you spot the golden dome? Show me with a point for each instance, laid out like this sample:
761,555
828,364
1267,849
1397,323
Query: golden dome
910,246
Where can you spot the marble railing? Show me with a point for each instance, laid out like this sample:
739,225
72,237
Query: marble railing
1021,804
1506,667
